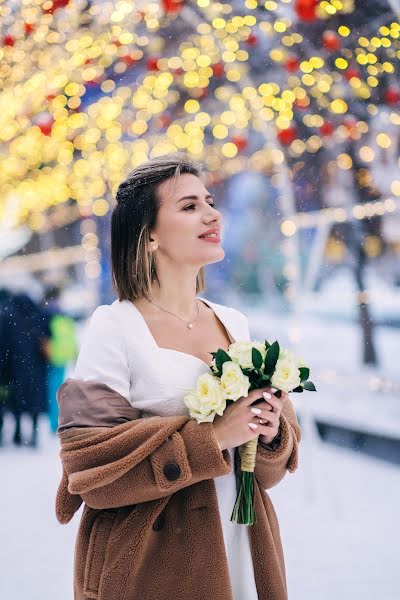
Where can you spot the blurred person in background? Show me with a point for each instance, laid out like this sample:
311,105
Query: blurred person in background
61,349
26,332
5,298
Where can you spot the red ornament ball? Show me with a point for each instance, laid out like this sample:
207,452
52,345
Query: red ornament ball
128,60
331,40
45,126
56,4
287,136
165,120
327,128
240,142
218,69
306,10
252,40
8,40
151,63
391,96
292,63
28,28
172,6
352,72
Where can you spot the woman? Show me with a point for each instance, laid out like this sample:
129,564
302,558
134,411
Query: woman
159,487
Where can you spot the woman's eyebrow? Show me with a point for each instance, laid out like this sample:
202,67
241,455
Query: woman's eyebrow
193,197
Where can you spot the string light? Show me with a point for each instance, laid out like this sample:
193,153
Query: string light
71,134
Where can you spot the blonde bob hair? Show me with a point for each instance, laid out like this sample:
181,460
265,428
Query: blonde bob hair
134,216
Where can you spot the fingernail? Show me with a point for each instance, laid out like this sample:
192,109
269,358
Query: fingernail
256,411
266,395
253,425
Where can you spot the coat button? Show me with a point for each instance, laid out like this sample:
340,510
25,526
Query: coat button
159,522
172,471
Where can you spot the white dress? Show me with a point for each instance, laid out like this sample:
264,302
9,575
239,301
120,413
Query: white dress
119,350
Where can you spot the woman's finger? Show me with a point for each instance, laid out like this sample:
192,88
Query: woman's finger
276,403
267,416
263,429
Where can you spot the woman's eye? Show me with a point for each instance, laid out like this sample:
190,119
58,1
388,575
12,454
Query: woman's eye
190,205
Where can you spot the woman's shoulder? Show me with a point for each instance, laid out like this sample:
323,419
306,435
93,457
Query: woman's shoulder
102,355
110,313
232,315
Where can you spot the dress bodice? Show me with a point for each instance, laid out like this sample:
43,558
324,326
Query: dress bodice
156,379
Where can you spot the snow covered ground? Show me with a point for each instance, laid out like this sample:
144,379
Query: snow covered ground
338,512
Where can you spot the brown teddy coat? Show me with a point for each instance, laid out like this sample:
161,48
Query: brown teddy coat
150,527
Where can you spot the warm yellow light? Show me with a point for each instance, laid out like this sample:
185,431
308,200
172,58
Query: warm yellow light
280,27
344,31
338,106
344,161
395,187
139,127
220,132
192,106
229,150
341,63
219,23
100,207
366,154
316,62
288,228
383,140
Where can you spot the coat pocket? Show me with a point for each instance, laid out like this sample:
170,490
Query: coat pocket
97,547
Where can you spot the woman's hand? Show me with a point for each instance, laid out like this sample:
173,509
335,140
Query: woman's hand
270,412
241,421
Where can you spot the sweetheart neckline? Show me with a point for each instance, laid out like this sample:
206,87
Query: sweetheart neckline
208,302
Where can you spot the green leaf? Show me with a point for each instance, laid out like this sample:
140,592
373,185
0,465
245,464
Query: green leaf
221,357
298,389
304,373
267,345
272,358
256,358
308,385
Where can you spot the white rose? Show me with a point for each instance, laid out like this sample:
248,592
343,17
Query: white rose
240,353
286,376
301,363
234,384
206,400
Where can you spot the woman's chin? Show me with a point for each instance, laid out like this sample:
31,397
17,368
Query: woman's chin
215,256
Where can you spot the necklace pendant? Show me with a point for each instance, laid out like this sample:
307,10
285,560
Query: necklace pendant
190,325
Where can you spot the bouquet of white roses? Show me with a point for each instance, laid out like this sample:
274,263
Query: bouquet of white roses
244,367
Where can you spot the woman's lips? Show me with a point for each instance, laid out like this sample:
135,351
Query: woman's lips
214,240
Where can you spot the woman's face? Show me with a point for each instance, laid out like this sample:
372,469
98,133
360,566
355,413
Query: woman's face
185,213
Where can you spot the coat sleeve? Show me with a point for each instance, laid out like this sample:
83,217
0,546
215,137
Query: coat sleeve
142,460
271,465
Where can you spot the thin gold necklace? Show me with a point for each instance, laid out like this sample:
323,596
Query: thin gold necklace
189,324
